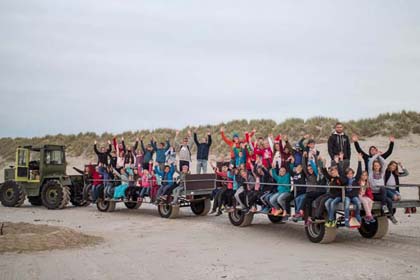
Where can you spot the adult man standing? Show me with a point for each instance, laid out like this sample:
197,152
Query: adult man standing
339,143
203,149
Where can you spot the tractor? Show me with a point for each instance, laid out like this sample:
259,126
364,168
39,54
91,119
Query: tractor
40,175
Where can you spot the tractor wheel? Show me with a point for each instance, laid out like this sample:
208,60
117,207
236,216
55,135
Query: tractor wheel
35,200
105,205
319,233
376,230
240,219
201,208
12,194
168,211
54,195
132,205
275,219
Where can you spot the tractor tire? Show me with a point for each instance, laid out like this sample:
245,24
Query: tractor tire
54,195
106,205
12,194
168,211
319,233
240,219
132,205
35,200
275,219
201,208
375,230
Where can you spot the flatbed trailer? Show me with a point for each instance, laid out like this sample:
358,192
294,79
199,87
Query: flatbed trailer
196,195
317,232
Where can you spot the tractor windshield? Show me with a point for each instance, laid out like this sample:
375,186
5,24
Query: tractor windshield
54,157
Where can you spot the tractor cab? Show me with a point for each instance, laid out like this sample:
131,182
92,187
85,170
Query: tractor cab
35,163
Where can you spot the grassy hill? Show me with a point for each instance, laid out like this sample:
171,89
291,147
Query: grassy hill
398,124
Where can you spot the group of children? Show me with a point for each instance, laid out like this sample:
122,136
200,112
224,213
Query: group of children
263,174
271,173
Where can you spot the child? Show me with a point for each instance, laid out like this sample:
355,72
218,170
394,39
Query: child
161,150
103,154
145,185
184,149
147,153
376,169
278,200
392,179
119,191
167,179
366,196
245,183
221,190
170,156
180,184
299,178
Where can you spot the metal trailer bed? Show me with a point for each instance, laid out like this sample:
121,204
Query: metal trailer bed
317,232
196,195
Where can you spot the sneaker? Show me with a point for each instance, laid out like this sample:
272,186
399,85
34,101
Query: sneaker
385,209
328,224
218,213
347,223
393,220
308,222
334,223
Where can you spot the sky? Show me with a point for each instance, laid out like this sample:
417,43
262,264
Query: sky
76,66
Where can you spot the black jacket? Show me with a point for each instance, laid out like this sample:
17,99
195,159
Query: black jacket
366,156
203,149
339,143
103,156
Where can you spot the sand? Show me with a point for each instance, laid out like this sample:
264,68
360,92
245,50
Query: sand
138,244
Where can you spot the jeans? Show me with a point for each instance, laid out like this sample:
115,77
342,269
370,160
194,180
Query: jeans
144,192
392,193
95,192
356,203
265,198
177,192
238,199
278,200
299,202
163,189
381,196
201,164
331,205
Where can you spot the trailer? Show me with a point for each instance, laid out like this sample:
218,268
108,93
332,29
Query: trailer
317,232
196,196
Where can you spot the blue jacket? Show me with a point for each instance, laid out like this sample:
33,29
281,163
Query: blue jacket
167,178
160,153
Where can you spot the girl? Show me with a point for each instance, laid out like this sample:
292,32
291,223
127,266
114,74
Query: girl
376,179
278,200
119,191
221,190
145,184
392,179
366,196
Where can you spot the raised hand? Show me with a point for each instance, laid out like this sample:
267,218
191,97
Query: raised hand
355,138
222,129
96,142
109,142
392,138
360,157
177,132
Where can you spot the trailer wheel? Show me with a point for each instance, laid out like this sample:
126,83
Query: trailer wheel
12,194
35,200
375,230
87,195
240,219
275,219
132,205
168,211
201,208
319,233
54,195
105,205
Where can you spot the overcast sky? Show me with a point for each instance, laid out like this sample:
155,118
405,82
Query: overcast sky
79,65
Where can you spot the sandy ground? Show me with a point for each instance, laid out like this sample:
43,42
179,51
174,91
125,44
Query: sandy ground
141,245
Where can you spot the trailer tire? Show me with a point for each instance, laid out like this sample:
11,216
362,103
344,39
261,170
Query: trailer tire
54,195
240,219
12,194
168,211
132,205
275,219
87,195
201,208
105,205
35,200
375,230
319,233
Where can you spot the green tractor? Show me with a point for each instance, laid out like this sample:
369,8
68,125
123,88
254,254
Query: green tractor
40,175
